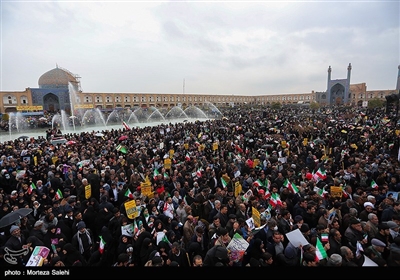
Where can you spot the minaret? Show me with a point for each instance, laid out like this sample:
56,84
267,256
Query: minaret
328,89
347,89
348,73
398,79
329,76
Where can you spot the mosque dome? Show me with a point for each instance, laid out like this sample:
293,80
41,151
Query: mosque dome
55,78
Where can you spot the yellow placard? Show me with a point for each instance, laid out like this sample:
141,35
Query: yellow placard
145,188
256,217
305,141
30,108
131,209
226,178
215,146
54,159
167,163
88,191
336,191
283,144
256,162
186,145
171,153
83,106
238,188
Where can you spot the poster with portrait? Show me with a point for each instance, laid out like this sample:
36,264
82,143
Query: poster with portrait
38,255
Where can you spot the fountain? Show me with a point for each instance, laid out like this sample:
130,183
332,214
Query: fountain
155,115
113,117
72,99
95,119
195,112
176,112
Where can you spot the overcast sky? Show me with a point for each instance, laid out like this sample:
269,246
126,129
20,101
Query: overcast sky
210,47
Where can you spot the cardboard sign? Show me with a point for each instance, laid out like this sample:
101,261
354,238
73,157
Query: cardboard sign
88,191
238,188
167,163
255,214
215,146
336,191
131,209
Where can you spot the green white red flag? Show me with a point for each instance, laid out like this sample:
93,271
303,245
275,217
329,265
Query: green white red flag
293,188
58,195
224,183
321,174
320,253
275,200
373,184
258,183
128,193
126,126
155,173
102,245
32,187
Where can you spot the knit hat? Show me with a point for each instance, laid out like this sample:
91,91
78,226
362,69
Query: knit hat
335,260
13,227
80,225
392,225
377,242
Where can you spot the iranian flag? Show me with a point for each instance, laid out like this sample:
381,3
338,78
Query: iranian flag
344,193
258,183
165,175
224,183
320,253
290,186
136,231
58,195
102,245
128,193
126,126
187,157
324,237
373,184
166,240
267,194
198,172
267,183
275,200
155,174
320,192
122,149
32,187
293,188
321,173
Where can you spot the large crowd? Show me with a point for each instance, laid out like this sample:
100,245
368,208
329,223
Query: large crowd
179,194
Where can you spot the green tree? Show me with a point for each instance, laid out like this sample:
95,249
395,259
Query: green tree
375,103
276,105
314,105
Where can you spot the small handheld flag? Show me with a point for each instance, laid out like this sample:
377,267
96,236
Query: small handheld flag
126,126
